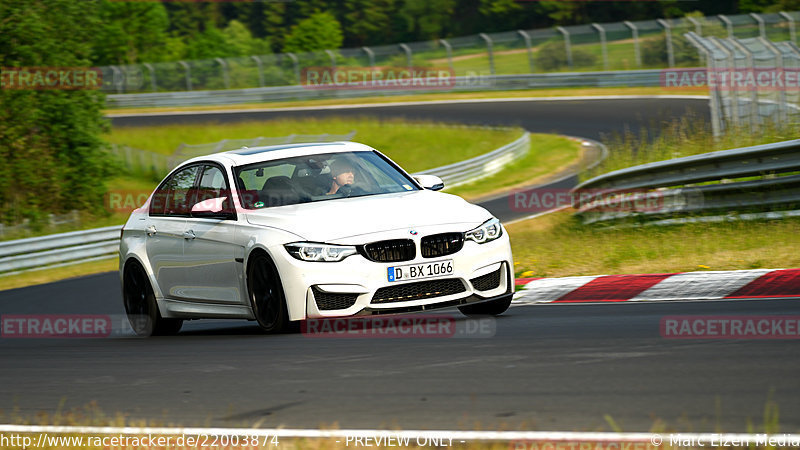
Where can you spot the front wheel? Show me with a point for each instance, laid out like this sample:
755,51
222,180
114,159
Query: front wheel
490,308
141,306
266,294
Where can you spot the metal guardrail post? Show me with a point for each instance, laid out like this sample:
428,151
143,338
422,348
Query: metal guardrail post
567,45
296,66
755,117
152,71
370,55
603,43
636,49
668,37
260,68
779,65
698,27
409,54
115,71
728,24
792,28
188,72
488,41
225,78
332,57
713,104
734,98
449,49
762,26
527,38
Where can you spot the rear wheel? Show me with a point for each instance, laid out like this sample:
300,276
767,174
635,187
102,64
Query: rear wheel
141,306
266,294
490,308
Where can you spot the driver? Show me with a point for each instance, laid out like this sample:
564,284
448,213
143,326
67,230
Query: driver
343,174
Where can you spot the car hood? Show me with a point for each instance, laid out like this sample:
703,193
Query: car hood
338,219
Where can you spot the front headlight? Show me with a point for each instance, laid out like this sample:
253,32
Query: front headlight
308,251
489,231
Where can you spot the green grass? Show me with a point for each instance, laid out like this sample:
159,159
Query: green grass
557,245
415,146
685,137
547,155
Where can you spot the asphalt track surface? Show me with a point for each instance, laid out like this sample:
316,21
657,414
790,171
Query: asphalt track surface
545,367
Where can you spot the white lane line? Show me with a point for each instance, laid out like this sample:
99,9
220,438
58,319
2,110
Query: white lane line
653,439
417,103
699,285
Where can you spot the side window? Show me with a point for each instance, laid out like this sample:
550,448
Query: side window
213,184
174,196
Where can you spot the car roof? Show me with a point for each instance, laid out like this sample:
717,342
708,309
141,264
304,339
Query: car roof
249,155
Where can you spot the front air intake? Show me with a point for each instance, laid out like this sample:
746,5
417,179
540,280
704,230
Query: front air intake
327,301
420,290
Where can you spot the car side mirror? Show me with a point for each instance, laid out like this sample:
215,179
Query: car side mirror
430,182
212,207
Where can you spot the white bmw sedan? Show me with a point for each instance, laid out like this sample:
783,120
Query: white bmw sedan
287,233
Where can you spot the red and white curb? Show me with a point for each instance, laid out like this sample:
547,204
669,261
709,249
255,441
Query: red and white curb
687,286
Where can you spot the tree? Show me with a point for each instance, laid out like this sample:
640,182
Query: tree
367,21
428,19
321,31
130,32
52,155
239,41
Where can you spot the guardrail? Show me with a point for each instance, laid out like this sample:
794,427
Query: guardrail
101,243
59,249
629,78
481,166
669,188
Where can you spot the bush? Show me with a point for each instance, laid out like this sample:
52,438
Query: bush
553,56
654,51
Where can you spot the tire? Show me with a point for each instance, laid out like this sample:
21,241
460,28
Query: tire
141,306
266,294
490,308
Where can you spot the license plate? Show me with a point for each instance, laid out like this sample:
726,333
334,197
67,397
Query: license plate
418,271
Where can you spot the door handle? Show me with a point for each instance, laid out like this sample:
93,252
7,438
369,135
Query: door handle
188,234
151,230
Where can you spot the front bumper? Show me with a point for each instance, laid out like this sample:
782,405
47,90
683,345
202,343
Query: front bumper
357,286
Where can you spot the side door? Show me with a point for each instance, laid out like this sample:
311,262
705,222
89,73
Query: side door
164,230
209,248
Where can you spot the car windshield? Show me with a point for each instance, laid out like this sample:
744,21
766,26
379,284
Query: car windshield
319,177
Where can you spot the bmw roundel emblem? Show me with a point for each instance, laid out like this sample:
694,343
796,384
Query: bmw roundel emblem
413,232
